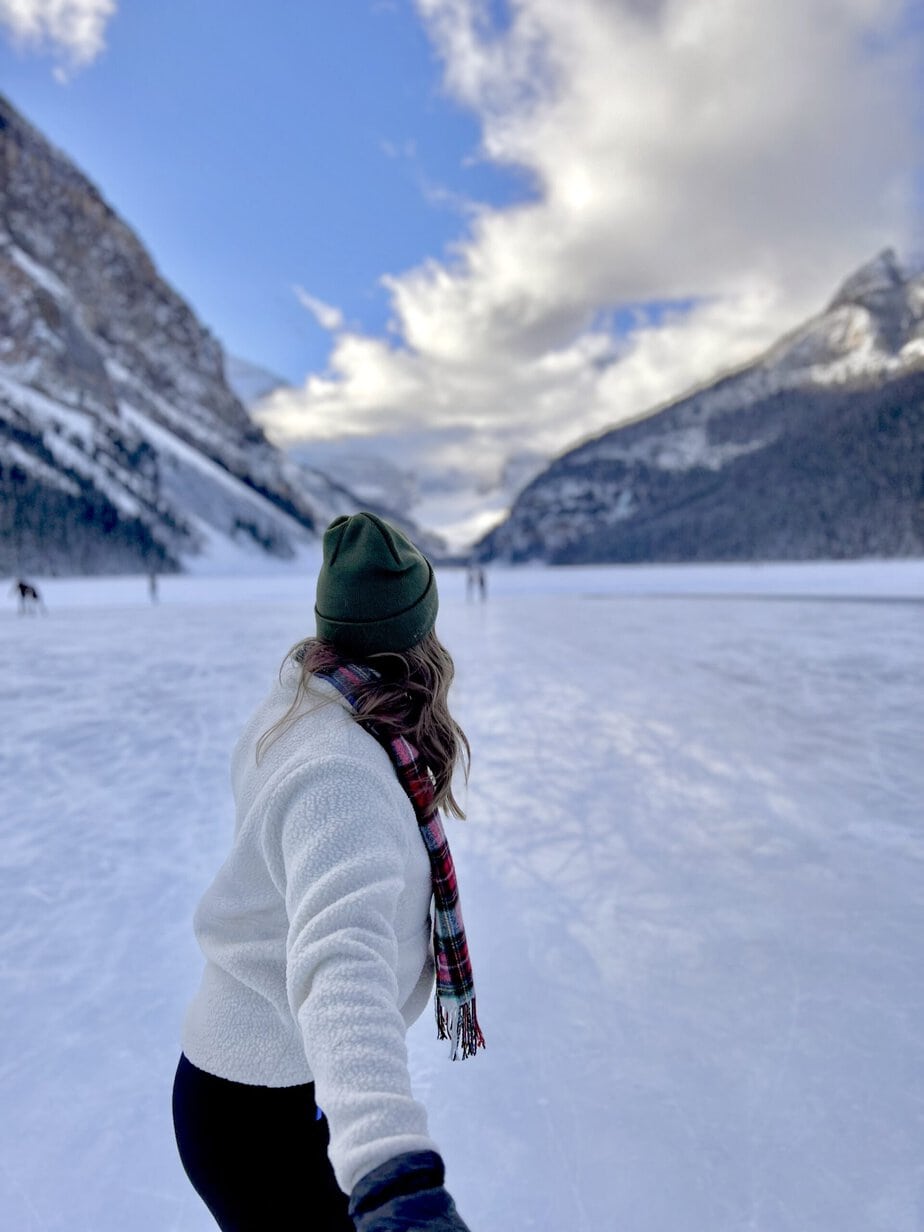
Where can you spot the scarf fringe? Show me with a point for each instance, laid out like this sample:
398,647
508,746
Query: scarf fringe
460,1026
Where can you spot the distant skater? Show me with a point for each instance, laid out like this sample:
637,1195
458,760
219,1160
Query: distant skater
324,926
476,582
152,587
30,601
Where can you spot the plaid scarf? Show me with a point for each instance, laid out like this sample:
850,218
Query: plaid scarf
456,1019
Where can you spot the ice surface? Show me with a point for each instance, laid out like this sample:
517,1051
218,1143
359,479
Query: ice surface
693,878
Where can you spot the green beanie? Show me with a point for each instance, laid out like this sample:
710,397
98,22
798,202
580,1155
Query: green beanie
376,592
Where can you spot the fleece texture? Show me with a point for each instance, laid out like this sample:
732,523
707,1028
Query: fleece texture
316,930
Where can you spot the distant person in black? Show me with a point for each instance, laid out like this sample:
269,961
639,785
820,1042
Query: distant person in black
30,601
476,579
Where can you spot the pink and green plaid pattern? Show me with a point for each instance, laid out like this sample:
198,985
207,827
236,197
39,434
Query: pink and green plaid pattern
456,1018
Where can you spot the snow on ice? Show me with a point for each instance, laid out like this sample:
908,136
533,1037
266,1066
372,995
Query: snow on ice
693,875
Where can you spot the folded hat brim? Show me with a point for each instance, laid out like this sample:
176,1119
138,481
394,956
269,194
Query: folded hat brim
399,631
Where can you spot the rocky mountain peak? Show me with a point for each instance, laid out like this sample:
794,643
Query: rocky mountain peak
881,276
888,292
892,297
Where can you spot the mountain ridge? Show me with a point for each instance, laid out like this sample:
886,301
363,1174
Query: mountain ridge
122,444
615,495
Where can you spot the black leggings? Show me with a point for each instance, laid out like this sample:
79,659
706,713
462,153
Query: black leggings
257,1156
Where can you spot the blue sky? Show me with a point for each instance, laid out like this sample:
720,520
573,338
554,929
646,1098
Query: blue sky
317,149
473,230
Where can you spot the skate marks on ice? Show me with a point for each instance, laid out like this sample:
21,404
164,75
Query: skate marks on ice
692,882
117,732
704,818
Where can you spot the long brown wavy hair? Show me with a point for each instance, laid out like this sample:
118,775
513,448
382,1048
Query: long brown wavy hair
409,697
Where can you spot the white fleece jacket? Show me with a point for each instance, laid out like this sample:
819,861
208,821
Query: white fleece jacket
316,930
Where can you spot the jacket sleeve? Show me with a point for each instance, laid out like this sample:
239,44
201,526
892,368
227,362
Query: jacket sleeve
343,850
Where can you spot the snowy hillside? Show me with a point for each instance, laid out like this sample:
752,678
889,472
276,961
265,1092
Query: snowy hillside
692,873
814,450
122,445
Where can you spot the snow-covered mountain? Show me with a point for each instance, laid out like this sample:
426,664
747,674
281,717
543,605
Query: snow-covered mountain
816,449
122,444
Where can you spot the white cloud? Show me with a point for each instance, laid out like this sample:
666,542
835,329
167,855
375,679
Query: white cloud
75,28
743,156
326,315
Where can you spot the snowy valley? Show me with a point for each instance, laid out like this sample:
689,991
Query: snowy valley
126,444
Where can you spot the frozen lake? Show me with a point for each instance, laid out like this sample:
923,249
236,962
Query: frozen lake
693,878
